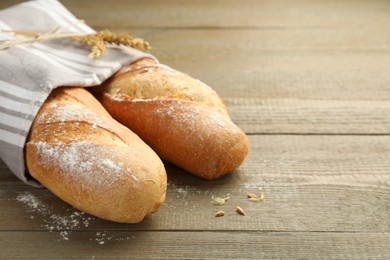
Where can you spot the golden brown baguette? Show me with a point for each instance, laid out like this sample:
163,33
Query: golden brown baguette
91,161
181,118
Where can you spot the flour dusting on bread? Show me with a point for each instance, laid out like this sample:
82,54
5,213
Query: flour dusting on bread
82,160
69,112
92,162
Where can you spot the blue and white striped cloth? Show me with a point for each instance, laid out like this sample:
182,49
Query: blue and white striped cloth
29,72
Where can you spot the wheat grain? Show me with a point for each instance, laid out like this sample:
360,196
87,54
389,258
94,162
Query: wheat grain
240,211
220,213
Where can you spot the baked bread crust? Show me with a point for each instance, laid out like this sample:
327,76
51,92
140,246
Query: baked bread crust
91,161
181,118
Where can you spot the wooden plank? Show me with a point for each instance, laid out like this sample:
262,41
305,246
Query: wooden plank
246,41
302,64
300,67
284,104
311,183
297,71
335,64
230,13
271,76
194,245
305,116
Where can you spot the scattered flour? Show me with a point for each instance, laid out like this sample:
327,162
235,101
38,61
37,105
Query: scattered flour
181,192
101,237
64,224
254,187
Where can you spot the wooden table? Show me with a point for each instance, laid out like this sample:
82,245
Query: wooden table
307,80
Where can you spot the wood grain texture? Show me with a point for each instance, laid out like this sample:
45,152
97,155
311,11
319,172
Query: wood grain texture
230,13
307,79
227,13
307,116
335,64
195,245
331,63
311,183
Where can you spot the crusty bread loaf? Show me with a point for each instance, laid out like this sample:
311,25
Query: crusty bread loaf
181,118
91,161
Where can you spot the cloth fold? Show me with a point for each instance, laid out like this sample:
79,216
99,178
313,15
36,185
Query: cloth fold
28,73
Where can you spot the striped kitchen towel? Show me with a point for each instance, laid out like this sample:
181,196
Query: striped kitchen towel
29,72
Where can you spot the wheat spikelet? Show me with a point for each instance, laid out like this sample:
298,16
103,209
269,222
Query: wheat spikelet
96,41
97,49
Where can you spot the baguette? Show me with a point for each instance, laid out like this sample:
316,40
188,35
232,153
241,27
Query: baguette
182,119
91,161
